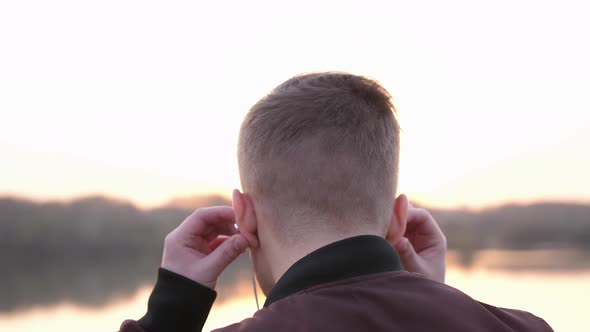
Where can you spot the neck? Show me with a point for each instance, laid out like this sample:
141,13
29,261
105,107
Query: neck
282,258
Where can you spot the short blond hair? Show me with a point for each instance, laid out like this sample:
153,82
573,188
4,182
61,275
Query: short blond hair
322,150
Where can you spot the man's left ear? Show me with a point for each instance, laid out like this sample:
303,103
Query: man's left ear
246,217
398,221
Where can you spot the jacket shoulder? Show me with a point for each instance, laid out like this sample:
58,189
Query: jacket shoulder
518,318
387,302
263,320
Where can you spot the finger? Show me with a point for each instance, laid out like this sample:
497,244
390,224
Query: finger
210,236
217,242
213,232
203,242
225,253
204,220
423,231
422,219
418,215
407,253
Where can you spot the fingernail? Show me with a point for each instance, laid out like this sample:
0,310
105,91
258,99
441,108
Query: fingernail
240,243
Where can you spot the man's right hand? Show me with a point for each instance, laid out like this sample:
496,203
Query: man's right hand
423,246
204,245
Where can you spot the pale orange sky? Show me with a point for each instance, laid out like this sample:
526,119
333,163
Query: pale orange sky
143,100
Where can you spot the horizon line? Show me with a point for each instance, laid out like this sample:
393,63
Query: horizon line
171,201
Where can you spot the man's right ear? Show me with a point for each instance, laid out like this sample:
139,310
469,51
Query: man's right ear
398,221
246,217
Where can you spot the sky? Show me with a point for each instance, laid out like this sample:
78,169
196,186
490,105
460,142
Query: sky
142,100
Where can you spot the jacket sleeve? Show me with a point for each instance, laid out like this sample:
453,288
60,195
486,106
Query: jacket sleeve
176,304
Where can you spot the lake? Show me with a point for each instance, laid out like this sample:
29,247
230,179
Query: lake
542,282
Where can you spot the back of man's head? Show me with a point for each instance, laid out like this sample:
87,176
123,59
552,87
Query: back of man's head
320,152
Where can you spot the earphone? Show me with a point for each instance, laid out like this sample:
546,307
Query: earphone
254,287
254,284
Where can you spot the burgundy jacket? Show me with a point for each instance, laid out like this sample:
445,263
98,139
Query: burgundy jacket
356,284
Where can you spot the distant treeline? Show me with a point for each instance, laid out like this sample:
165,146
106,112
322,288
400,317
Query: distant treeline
87,251
93,249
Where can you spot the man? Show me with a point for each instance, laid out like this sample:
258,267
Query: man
331,247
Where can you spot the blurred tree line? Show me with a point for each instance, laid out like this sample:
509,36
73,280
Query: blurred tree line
94,249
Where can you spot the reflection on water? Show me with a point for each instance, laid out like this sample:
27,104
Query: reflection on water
545,260
554,294
90,283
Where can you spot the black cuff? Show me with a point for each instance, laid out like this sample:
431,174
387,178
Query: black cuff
177,304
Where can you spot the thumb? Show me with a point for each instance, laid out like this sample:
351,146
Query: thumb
226,253
409,257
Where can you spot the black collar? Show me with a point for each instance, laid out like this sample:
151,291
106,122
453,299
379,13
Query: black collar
355,256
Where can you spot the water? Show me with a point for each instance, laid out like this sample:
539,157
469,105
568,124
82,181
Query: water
556,294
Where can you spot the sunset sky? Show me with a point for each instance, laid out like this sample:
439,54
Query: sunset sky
142,100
